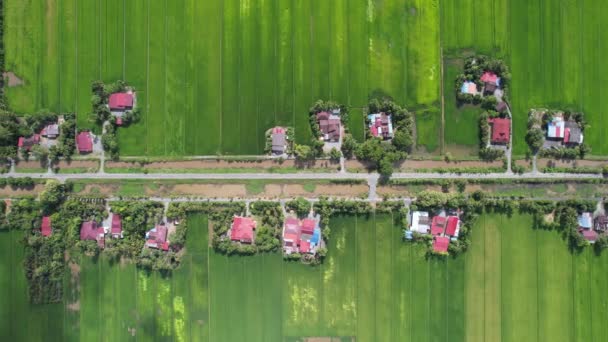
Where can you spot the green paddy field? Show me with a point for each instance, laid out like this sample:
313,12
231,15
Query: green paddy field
514,284
555,51
214,75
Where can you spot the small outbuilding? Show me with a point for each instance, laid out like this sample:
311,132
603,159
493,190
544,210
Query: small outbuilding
116,228
45,227
26,144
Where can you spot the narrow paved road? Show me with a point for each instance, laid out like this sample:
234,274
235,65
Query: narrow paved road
369,177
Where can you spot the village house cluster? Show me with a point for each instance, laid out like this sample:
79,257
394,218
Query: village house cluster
47,137
592,227
443,228
91,230
298,236
302,236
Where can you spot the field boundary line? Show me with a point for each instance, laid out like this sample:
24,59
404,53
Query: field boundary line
148,84
124,39
165,73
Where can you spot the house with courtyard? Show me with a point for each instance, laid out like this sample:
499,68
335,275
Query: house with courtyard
120,104
242,230
302,236
84,142
330,125
45,227
380,125
26,143
91,230
443,227
491,82
278,138
564,132
500,131
156,238
585,227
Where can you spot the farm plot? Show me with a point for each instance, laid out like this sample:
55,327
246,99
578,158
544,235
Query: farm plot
554,50
515,283
216,88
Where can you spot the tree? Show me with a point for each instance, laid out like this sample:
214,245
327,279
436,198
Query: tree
349,145
535,138
52,195
303,152
403,140
335,155
40,153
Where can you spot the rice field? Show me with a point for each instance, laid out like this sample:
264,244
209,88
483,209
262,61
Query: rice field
514,284
213,76
554,49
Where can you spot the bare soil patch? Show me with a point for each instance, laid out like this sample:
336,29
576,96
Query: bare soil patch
92,165
103,189
210,190
404,190
30,164
74,306
570,163
413,165
264,164
333,190
9,191
11,79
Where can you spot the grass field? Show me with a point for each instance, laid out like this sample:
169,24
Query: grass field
461,128
514,284
217,87
554,50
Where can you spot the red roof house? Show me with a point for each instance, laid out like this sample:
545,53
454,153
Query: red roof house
453,226
121,101
84,142
501,130
89,230
116,228
45,228
28,143
308,226
157,238
242,229
489,77
438,225
304,246
589,234
441,243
